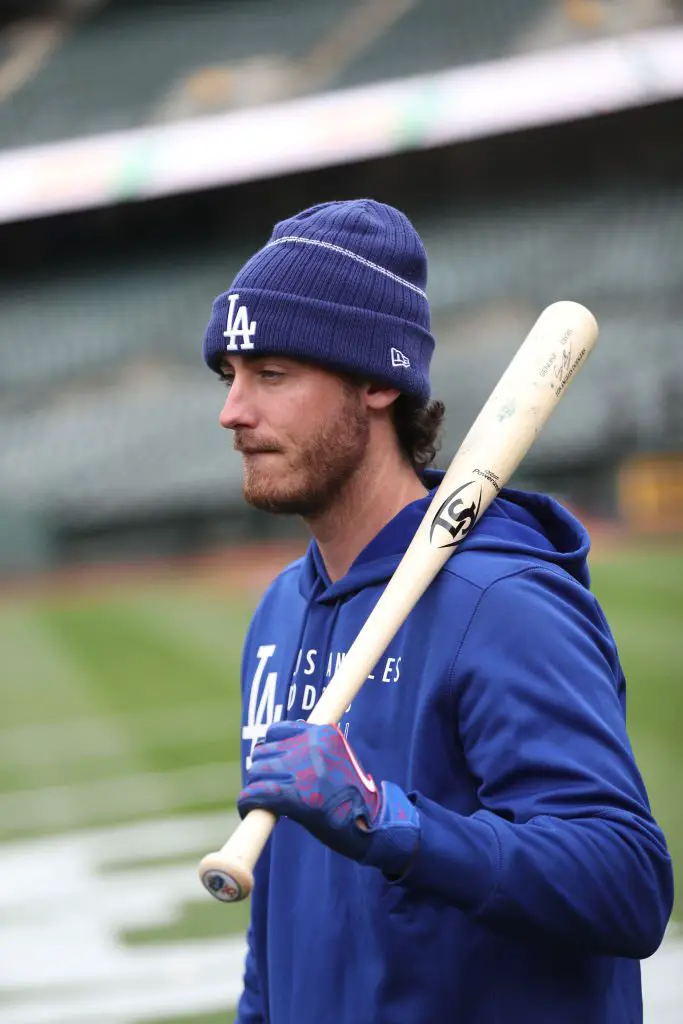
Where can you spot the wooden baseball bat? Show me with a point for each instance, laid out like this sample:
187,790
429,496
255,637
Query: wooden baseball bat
529,390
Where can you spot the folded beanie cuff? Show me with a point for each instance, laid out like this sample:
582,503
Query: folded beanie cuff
350,339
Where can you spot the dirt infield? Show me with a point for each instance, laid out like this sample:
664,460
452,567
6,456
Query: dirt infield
248,567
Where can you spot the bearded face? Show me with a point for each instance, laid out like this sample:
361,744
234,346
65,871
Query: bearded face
302,432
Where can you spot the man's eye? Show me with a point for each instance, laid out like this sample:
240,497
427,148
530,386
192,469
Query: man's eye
226,381
271,374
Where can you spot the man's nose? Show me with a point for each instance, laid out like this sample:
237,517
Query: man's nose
238,410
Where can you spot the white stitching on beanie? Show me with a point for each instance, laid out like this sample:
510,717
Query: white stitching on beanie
347,252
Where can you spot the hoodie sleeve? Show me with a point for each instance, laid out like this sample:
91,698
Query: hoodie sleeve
564,846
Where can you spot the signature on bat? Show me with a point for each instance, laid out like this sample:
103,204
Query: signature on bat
562,368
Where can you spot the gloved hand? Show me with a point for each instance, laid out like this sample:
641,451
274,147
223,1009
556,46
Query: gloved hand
309,773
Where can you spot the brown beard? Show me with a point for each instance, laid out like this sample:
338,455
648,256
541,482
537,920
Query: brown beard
316,474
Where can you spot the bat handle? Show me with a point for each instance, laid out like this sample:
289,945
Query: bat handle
228,873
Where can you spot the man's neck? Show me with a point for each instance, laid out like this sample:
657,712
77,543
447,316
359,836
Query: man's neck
371,499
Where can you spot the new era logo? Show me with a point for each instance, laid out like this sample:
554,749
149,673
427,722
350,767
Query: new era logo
238,326
398,359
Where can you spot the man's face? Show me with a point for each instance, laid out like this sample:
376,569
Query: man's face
302,432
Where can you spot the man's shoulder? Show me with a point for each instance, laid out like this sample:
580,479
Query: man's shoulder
284,586
290,571
481,568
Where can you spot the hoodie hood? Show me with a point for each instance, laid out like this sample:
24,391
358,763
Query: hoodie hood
517,522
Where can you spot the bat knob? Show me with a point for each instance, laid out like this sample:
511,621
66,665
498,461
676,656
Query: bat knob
228,883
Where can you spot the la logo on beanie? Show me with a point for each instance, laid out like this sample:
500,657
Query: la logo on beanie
238,326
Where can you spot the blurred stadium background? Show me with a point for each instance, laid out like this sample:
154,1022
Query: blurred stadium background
146,148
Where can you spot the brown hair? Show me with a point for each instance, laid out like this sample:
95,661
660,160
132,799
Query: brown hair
419,428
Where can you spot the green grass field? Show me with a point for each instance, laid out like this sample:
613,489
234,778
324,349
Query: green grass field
122,707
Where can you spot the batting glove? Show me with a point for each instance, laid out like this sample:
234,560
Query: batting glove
309,773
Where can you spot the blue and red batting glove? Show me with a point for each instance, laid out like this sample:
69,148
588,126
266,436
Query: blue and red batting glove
309,773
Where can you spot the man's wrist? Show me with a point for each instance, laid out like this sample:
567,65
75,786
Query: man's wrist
395,835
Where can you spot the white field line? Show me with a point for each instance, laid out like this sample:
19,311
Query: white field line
663,981
139,841
202,977
61,956
85,803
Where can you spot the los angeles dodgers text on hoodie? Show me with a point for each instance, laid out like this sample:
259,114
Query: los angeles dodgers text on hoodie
541,876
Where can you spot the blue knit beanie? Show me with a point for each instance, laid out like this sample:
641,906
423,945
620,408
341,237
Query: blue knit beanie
340,284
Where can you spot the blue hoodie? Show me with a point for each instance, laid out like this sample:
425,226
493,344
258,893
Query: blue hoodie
541,877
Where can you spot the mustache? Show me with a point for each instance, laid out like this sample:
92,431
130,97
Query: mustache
253,446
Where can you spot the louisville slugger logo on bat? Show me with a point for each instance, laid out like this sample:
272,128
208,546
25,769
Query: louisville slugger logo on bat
458,513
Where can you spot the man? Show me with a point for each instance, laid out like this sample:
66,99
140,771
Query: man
501,862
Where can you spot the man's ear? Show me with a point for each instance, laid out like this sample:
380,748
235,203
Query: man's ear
378,396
